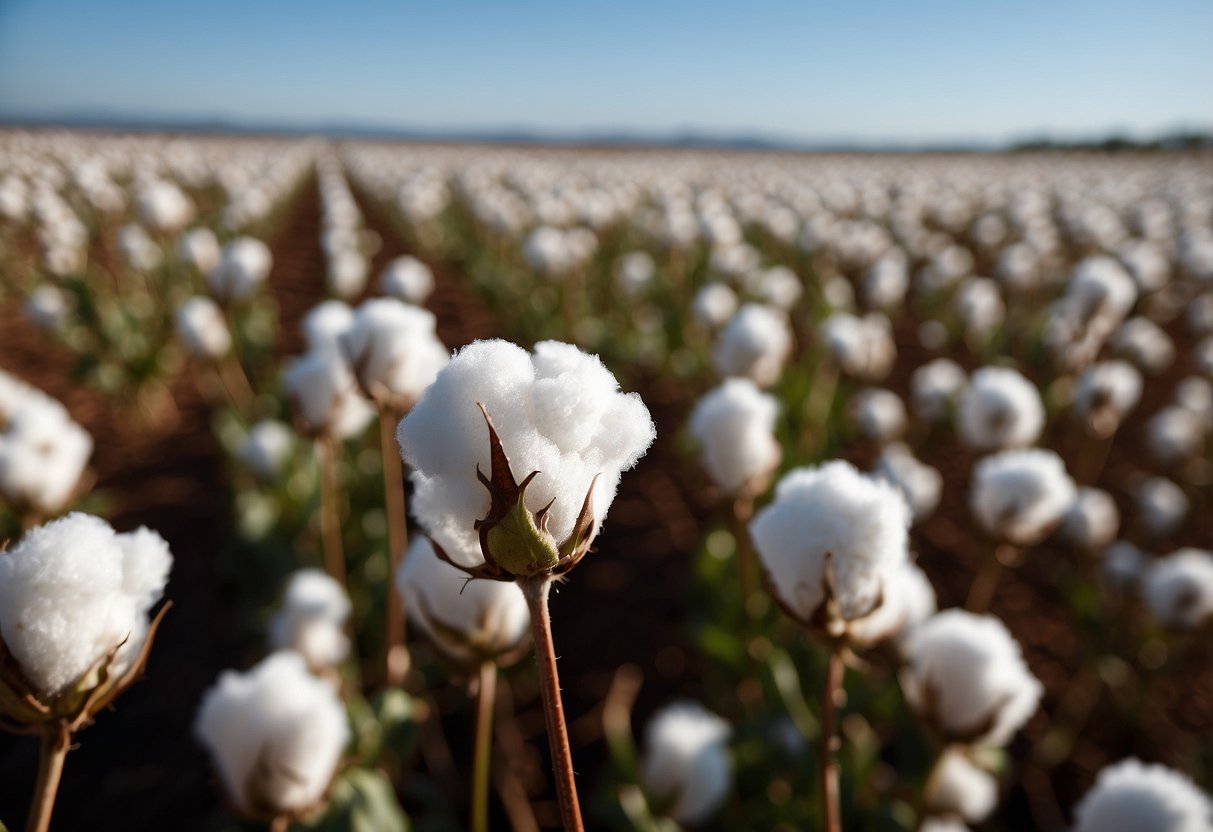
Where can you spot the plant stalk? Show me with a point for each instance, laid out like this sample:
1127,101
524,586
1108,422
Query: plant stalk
741,510
536,589
330,517
56,740
395,656
828,743
484,747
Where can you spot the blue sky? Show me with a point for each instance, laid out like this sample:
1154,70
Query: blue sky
933,70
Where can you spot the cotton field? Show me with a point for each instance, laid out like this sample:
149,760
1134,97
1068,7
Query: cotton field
374,486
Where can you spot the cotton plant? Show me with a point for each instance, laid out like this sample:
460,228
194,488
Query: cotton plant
244,265
1178,588
408,279
1106,392
686,768
1131,796
999,409
557,414
312,621
754,344
76,628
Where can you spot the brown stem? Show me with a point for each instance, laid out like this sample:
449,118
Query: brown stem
330,519
484,747
981,593
236,384
828,744
395,656
280,823
535,589
56,740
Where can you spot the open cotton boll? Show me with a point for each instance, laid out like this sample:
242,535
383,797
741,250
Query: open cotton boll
469,621
43,454
634,272
918,482
13,394
958,786
879,415
862,347
714,305
831,536
1195,395
1161,504
935,387
275,734
244,264
886,282
979,305
686,760
347,273
1199,316
408,279
1000,409
558,411
1092,521
325,324
394,351
1173,434
71,591
163,206
46,307
965,675
754,344
1105,394
1132,797
203,329
778,286
943,824
200,248
266,448
908,600
1021,496
1143,342
734,425
312,620
138,249
1121,565
1178,588
1146,264
326,396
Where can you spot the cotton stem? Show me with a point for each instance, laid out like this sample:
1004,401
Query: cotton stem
56,740
330,517
828,744
484,747
396,657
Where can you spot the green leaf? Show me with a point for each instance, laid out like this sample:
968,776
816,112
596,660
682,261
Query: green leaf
361,800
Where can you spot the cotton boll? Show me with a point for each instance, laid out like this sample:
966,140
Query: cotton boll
960,787
469,621
312,620
934,824
1178,588
918,482
1092,521
1202,355
1142,341
267,447
1132,797
1105,394
1199,315
935,387
1161,504
754,344
862,347
71,592
1121,565
43,454
734,425
777,286
163,206
1195,395
325,324
686,760
1000,409
203,329
979,305
634,272
714,305
326,396
886,283
830,542
408,279
558,411
1146,264
838,293
879,415
909,600
965,675
138,249
394,351
200,248
275,733
47,307
244,264
1020,496
347,273
1174,434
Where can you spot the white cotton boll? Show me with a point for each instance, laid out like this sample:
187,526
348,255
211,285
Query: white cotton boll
960,787
275,734
634,272
838,293
734,425
1202,355
1105,394
1000,409
394,351
558,411
71,591
203,329
266,448
1173,434
325,324
1121,564
1199,316
919,483
1142,341
754,344
138,249
778,286
1133,797
1162,505
879,415
1195,395
46,307
965,675
163,206
1020,496
312,620
347,273
935,388
200,248
831,530
1178,588
947,824
469,621
326,397
886,282
1147,264
13,394
686,760
714,305
43,454
979,305
244,264
862,347
1092,521
908,600
408,279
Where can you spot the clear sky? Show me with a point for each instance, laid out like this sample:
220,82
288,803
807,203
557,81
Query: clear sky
886,70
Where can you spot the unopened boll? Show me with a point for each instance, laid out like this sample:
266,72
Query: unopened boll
965,675
1106,393
408,279
1000,409
714,305
1131,796
203,329
326,395
1092,521
312,620
1021,496
394,351
734,425
958,786
935,387
469,621
918,482
557,410
275,733
831,541
244,264
1161,504
754,344
879,415
686,760
71,592
1178,588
